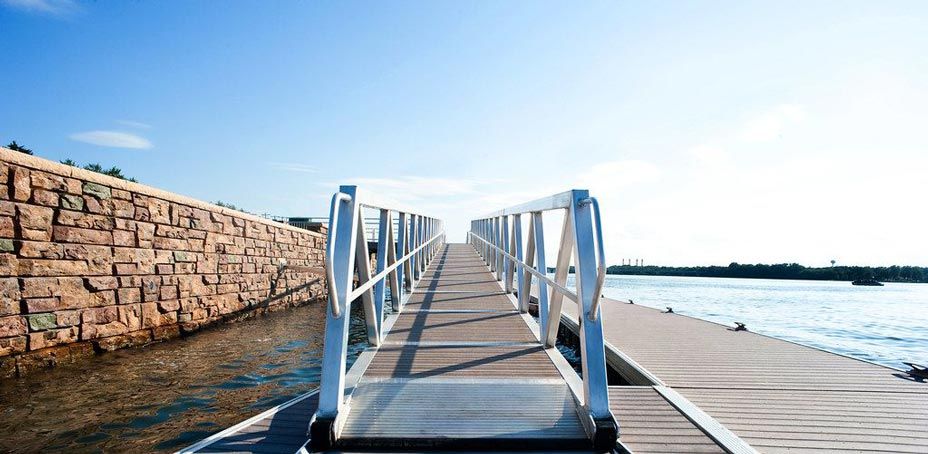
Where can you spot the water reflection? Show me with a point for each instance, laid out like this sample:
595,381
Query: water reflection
169,395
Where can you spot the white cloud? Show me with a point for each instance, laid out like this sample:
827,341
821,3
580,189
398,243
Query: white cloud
293,167
134,124
770,125
708,154
114,139
611,177
416,187
55,7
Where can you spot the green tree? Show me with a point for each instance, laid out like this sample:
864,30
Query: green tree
69,162
17,147
112,171
228,205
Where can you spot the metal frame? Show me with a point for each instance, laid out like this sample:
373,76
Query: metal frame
404,255
581,238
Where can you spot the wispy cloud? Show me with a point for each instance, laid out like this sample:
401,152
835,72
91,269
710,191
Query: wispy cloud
708,154
770,125
53,7
417,187
612,176
114,139
134,124
293,167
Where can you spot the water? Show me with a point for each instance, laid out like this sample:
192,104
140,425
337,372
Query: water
886,325
166,396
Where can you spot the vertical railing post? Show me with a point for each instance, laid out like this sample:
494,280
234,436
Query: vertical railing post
384,244
428,248
419,241
500,263
560,277
344,216
406,277
488,235
517,247
413,275
507,247
592,345
538,230
396,294
525,280
363,263
402,248
431,246
475,233
491,259
496,268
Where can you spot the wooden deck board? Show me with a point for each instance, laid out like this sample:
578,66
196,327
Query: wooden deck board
775,395
648,423
460,327
412,361
459,301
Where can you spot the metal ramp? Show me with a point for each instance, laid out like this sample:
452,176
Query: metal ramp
461,370
460,364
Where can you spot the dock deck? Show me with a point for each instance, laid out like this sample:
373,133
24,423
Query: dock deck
776,396
461,367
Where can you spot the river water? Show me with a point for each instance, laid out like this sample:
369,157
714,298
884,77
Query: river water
167,396
886,325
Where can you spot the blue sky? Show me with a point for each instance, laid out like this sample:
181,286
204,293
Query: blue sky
710,131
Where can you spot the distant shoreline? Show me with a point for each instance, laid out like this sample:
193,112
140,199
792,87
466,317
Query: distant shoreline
791,271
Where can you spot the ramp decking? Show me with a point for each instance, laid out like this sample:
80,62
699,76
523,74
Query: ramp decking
775,395
454,372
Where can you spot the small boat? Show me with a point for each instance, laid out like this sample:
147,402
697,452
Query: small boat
868,282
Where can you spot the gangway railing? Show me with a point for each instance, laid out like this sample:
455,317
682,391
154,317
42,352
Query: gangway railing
404,250
498,239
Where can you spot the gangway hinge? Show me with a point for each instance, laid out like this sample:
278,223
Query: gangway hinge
321,433
606,435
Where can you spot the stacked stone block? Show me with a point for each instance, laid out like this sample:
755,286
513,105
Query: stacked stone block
90,263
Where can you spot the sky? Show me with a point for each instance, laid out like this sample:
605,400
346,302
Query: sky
711,132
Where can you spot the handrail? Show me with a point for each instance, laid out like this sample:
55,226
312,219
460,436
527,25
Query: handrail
357,292
601,274
337,198
564,290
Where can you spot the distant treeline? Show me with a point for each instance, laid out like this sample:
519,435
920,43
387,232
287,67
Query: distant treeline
783,271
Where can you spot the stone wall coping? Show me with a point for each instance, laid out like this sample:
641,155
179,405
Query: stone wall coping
64,170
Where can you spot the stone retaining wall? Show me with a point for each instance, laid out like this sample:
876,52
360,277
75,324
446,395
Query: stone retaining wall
91,263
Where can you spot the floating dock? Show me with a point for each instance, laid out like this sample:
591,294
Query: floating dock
775,395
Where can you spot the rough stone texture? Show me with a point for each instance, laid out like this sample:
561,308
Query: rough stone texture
90,263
